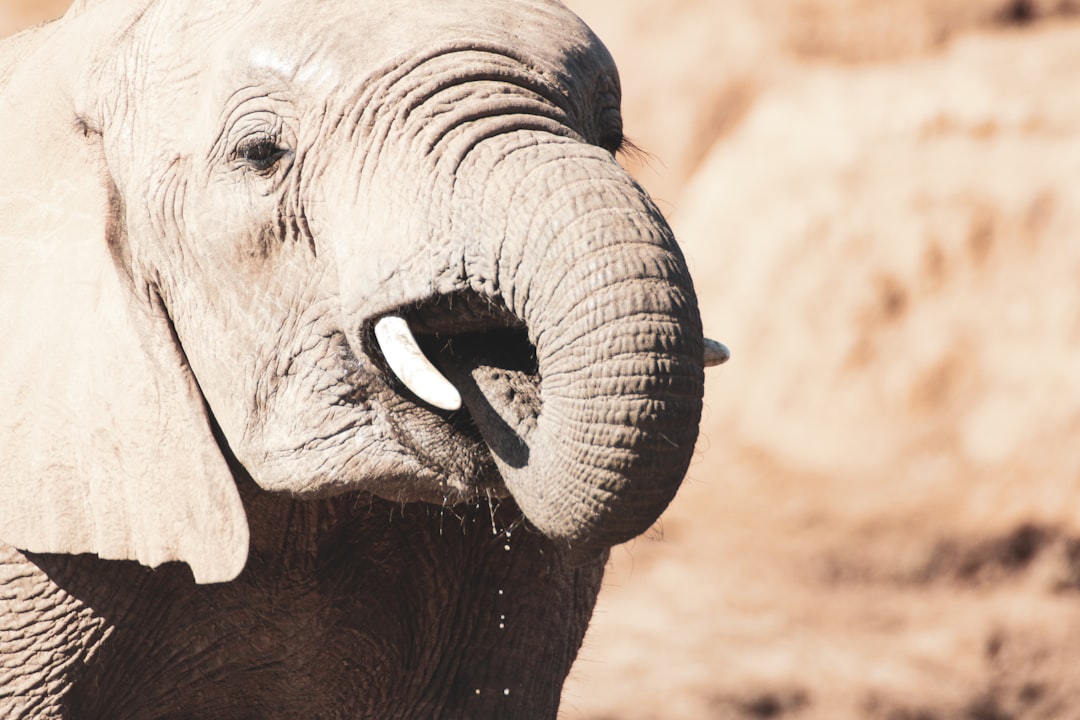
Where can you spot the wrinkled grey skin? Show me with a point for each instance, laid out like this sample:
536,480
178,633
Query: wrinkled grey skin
280,175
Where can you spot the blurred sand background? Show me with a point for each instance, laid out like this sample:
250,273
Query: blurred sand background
880,200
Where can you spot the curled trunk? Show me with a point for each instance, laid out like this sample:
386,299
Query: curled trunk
588,263
551,293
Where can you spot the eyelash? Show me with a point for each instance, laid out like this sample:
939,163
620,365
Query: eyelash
613,143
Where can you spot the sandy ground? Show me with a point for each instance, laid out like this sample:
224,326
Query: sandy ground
880,201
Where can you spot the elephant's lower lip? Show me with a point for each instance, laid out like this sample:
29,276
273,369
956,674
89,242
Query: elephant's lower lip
500,388
485,352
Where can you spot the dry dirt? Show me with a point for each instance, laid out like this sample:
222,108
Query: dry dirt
878,199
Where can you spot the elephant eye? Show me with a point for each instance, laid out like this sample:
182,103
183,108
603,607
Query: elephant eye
260,152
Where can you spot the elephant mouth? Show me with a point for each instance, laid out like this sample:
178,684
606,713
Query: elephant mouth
486,354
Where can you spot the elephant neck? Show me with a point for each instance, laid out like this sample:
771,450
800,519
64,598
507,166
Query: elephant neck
404,611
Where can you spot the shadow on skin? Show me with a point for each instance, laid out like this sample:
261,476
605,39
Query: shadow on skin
350,605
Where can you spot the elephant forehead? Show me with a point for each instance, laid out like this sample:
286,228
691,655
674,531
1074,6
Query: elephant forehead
331,41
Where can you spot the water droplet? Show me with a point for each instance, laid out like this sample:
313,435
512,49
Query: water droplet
500,592
502,617
506,691
477,691
502,626
506,548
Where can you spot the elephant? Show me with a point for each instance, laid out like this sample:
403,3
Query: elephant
338,351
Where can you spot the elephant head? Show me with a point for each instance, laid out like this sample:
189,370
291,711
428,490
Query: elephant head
373,246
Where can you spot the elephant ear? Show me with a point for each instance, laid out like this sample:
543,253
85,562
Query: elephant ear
106,445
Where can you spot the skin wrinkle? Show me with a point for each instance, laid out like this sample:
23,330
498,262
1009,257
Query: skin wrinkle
622,369
509,291
307,193
525,189
448,189
283,369
128,64
520,93
232,105
499,247
483,123
632,382
646,256
486,71
585,257
493,61
629,351
167,197
586,310
311,337
293,205
520,287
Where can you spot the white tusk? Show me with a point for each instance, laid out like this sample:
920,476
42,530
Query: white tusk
716,353
412,367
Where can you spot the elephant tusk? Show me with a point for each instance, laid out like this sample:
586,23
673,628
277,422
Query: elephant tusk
716,353
411,366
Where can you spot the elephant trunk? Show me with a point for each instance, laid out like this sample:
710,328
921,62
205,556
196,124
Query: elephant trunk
587,262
